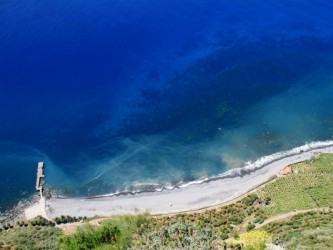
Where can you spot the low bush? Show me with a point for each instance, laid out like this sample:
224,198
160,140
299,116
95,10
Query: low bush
115,233
38,221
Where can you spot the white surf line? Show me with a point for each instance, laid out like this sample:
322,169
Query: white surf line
196,195
247,169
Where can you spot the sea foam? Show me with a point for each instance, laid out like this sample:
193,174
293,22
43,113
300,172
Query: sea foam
249,167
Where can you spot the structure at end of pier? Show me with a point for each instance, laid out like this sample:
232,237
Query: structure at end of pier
40,177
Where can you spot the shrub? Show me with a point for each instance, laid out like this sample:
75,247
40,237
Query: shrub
224,236
68,219
250,227
256,239
39,221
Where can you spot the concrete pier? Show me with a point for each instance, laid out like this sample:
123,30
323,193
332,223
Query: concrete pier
40,177
39,208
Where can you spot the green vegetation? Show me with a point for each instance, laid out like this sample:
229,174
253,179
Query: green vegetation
202,230
39,221
114,233
26,236
310,186
255,240
68,219
233,226
311,230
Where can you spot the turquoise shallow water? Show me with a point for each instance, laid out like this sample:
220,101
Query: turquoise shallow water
122,95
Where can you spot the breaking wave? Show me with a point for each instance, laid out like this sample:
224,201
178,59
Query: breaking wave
248,168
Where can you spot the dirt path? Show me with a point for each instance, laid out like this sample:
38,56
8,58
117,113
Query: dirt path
286,215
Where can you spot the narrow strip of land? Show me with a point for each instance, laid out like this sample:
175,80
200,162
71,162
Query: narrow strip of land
193,197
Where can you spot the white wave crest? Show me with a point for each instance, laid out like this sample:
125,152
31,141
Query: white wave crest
248,168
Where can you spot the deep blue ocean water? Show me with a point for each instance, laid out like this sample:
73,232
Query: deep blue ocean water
116,94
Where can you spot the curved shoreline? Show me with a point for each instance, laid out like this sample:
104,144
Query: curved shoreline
232,173
190,196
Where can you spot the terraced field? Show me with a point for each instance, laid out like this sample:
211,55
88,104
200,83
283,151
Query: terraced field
310,186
